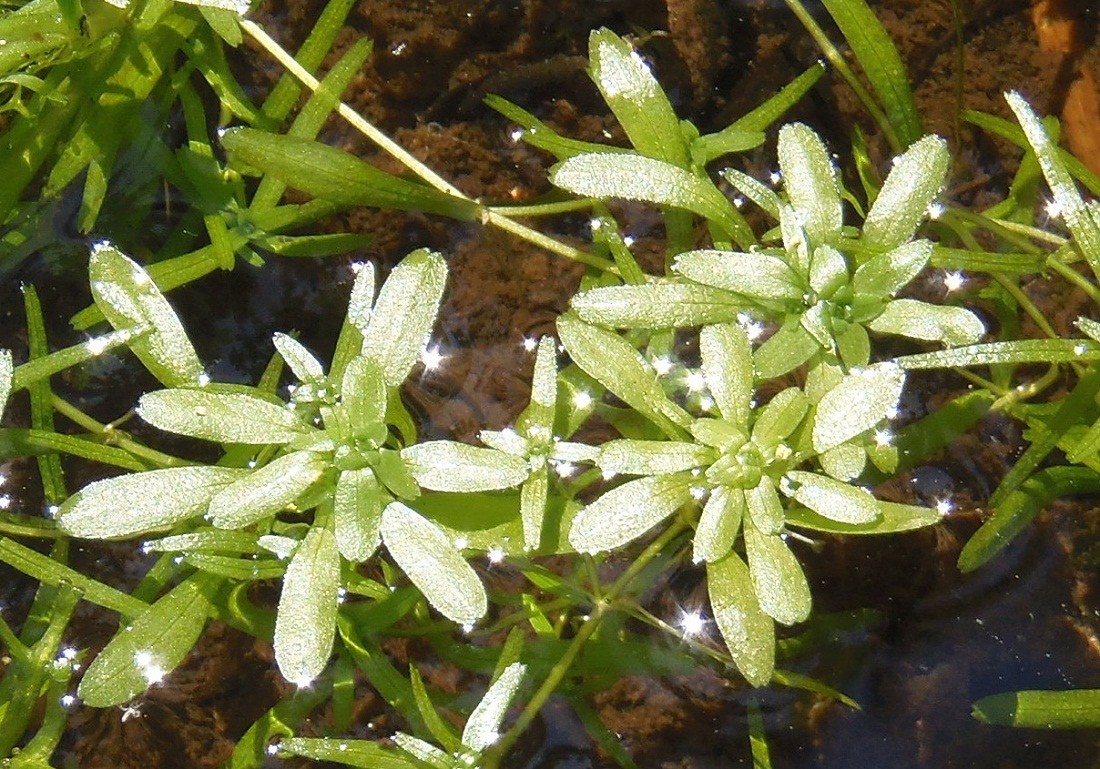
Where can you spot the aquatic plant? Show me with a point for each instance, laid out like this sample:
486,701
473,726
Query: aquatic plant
735,463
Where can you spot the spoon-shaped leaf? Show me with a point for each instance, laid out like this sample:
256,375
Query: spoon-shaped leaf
749,633
433,564
266,491
954,326
627,456
306,623
719,524
142,653
614,363
628,511
454,466
887,273
760,276
727,366
635,177
661,304
404,313
483,727
910,188
858,403
131,504
777,577
302,362
129,299
810,181
222,417
831,498
634,95
357,513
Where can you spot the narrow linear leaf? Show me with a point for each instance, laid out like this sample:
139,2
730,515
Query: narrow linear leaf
7,370
150,647
337,176
1036,709
141,502
364,754
222,417
895,519
749,633
433,564
305,626
302,362
1023,351
628,511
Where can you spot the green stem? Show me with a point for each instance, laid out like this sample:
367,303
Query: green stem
114,437
836,59
491,759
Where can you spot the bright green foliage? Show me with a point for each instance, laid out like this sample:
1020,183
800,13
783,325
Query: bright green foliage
824,288
741,462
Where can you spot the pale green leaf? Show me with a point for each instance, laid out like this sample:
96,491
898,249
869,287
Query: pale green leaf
219,416
912,185
719,524
128,298
425,753
454,466
786,349
404,313
508,440
764,507
638,457
657,305
859,402
757,275
894,518
636,98
780,417
887,273
366,754
828,270
831,498
266,491
1083,226
361,302
915,319
357,513
635,177
777,577
302,362
6,374
363,395
1089,327
749,633
433,564
483,726
728,368
844,462
615,364
1022,351
544,382
306,622
628,511
140,502
149,648
532,507
809,177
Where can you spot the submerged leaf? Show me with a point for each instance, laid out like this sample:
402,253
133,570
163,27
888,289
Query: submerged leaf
433,564
131,504
306,622
222,417
749,633
404,313
129,299
483,727
6,372
157,640
628,511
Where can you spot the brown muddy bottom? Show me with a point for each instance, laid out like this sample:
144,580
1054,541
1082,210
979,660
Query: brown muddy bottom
929,641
